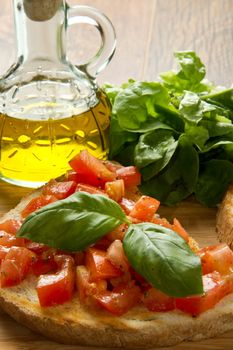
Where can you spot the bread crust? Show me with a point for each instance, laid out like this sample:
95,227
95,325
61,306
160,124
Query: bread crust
224,220
73,323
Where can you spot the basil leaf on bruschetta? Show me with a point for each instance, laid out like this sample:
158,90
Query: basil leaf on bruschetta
164,259
74,223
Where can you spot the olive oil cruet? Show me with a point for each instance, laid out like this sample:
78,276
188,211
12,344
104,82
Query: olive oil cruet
51,109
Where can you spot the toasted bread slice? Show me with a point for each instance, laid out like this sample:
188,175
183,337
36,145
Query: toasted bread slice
74,323
224,221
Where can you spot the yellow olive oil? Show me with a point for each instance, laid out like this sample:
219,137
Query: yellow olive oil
33,151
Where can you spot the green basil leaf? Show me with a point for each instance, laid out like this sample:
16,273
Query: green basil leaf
119,138
134,104
153,146
164,259
214,179
74,223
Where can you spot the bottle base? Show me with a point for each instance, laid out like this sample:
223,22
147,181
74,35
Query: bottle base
20,183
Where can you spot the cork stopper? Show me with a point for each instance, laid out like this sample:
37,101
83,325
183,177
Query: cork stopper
41,10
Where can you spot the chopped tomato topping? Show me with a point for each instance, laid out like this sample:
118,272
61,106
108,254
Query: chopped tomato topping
3,252
178,228
56,289
100,266
130,175
216,258
96,173
84,286
115,189
112,166
10,226
155,300
121,299
117,233
127,205
44,263
90,189
60,190
37,203
10,240
15,266
215,288
35,247
161,221
116,255
145,208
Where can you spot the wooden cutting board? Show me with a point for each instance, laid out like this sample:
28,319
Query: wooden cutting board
199,222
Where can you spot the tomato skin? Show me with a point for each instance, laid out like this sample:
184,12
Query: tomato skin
121,299
216,258
127,205
93,169
10,226
215,288
155,300
118,233
56,289
116,255
145,208
60,190
3,252
37,203
100,266
15,266
10,240
178,228
130,175
35,247
115,189
90,189
86,288
44,263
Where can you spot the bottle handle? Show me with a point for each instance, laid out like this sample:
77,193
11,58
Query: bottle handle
92,16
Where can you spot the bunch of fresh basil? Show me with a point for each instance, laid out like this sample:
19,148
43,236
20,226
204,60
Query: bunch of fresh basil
178,132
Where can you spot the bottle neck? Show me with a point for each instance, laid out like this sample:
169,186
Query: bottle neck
40,37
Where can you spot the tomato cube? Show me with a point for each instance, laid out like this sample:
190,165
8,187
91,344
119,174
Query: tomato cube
55,289
145,208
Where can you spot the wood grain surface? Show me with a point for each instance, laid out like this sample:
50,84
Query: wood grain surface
148,32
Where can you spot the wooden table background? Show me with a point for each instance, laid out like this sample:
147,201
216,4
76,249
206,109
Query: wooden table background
148,32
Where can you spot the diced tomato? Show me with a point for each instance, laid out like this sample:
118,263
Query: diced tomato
217,258
112,166
145,208
130,175
44,263
100,266
15,266
37,203
35,247
140,279
10,240
117,233
116,255
10,226
96,173
79,258
60,190
215,288
178,228
155,300
124,279
161,221
3,252
115,189
121,299
56,289
103,243
127,205
86,288
90,189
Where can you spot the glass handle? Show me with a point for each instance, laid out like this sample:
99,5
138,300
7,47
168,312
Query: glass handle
89,15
